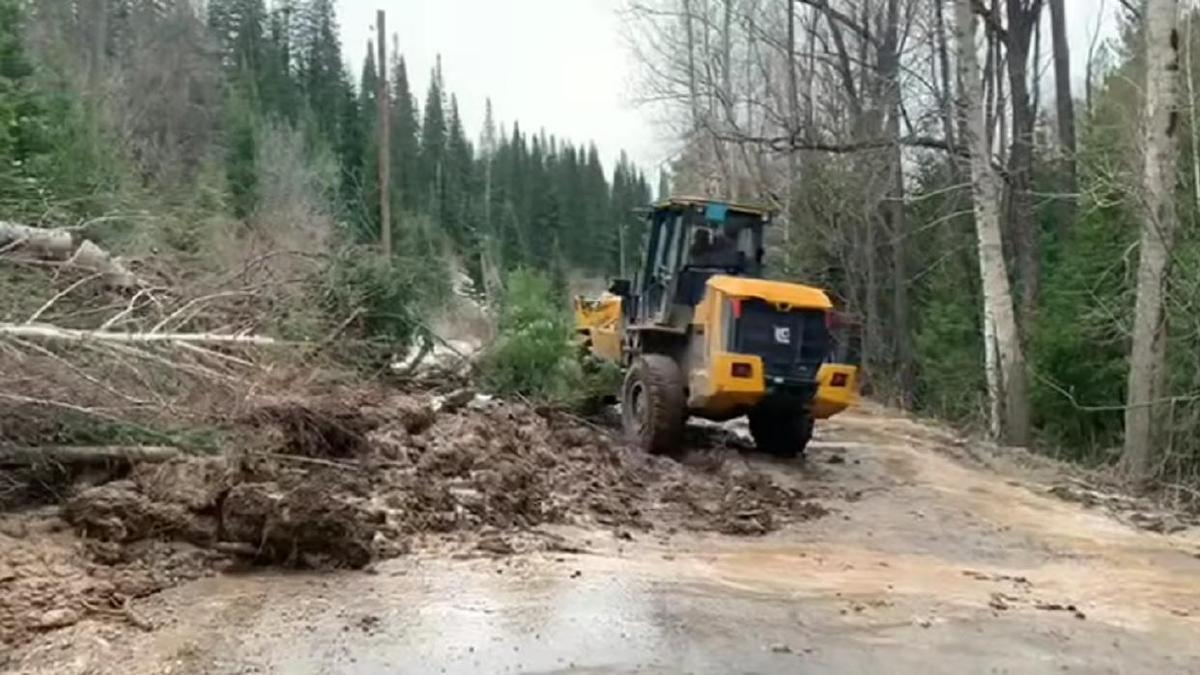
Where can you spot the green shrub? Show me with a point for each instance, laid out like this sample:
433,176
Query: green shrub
598,381
950,350
534,356
1079,347
388,305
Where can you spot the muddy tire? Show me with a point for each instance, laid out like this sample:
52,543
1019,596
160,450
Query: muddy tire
653,407
781,433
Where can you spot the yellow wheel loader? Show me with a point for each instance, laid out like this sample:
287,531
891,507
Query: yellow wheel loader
701,332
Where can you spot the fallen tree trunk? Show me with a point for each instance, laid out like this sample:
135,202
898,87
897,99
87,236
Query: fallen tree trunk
237,548
71,454
66,247
39,331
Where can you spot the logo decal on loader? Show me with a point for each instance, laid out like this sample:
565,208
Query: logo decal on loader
783,335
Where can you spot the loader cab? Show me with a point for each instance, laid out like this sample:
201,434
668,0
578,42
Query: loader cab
689,241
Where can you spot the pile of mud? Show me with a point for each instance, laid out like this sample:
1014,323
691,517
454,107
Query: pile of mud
344,479
505,465
50,579
335,481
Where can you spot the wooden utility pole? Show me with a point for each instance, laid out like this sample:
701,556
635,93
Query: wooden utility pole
385,144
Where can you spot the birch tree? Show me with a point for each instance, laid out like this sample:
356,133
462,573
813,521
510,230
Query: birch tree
1005,362
1160,148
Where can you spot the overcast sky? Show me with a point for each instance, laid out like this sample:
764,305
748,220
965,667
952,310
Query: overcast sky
560,64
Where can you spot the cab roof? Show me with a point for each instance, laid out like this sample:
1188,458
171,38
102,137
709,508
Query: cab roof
783,292
690,201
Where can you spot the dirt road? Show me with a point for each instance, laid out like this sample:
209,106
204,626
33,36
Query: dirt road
927,563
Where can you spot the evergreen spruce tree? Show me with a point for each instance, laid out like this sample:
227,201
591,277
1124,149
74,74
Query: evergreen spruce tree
596,216
541,206
487,155
239,27
22,115
367,211
331,100
433,148
320,68
630,191
405,133
487,137
368,86
572,238
514,215
277,86
458,177
241,145
351,145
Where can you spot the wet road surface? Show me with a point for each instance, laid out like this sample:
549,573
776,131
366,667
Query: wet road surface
927,565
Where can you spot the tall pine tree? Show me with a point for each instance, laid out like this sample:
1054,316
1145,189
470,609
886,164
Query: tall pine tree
458,176
433,148
366,207
405,132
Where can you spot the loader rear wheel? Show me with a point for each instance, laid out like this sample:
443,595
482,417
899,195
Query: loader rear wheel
783,433
653,407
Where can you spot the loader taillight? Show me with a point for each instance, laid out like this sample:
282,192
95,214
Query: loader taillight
737,308
838,380
742,370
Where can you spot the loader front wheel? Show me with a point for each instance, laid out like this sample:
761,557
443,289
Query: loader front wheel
783,433
653,404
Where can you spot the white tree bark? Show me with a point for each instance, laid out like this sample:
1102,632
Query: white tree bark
63,245
991,370
1159,220
1006,377
43,332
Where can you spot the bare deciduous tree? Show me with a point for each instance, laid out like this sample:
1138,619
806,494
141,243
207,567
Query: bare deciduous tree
1006,376
1066,113
1160,146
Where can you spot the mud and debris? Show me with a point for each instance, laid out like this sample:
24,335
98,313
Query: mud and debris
50,578
314,427
1060,607
921,550
1137,511
347,479
343,479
